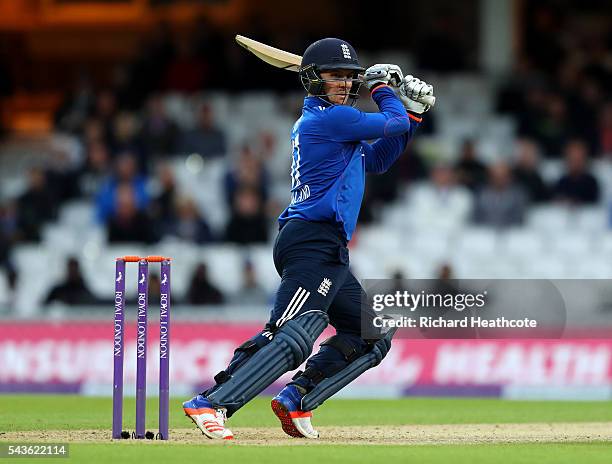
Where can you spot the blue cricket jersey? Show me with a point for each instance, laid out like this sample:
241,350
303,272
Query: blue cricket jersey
331,156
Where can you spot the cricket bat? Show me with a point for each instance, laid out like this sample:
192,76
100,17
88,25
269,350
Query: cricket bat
288,61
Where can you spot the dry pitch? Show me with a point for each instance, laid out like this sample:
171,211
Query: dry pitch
372,435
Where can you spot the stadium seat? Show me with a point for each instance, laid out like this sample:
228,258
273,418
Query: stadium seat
574,243
477,241
593,219
549,219
521,241
38,269
224,263
77,214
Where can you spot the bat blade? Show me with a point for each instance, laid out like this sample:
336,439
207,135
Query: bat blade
271,55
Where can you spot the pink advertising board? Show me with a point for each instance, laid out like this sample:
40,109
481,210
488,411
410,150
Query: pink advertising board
77,357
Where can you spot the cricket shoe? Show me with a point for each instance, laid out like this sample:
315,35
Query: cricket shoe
210,420
295,422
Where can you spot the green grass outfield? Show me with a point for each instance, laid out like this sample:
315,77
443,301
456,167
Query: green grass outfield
35,413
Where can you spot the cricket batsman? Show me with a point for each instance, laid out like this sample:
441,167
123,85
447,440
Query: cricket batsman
331,155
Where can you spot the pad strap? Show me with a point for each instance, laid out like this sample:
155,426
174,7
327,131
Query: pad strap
343,346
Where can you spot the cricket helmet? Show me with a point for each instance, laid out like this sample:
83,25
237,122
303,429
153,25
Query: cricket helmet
327,55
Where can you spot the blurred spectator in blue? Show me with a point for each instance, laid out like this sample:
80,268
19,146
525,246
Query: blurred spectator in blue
125,172
577,186
72,290
188,223
250,292
471,172
206,138
158,133
76,106
35,206
128,223
96,169
248,223
440,204
248,172
201,290
525,171
500,203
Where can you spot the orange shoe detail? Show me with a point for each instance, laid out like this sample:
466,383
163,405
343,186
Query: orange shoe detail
298,414
285,419
198,411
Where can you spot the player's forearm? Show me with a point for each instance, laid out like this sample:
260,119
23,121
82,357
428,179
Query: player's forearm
346,124
388,102
381,155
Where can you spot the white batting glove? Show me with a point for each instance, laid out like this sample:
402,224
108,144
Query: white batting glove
411,90
389,74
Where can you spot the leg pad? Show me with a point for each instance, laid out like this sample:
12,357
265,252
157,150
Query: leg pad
290,347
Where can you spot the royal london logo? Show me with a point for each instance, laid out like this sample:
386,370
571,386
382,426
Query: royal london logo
346,53
325,286
119,277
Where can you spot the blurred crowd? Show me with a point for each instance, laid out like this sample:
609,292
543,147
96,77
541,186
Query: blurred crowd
449,195
126,172
559,95
559,90
72,289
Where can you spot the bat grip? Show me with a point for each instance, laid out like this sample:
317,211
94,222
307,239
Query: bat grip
426,99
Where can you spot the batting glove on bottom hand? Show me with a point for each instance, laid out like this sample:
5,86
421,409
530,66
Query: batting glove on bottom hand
389,74
411,89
